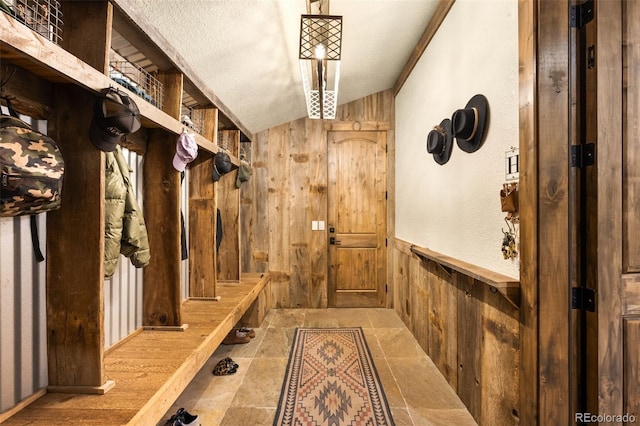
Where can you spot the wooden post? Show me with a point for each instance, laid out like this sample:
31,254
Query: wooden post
228,198
617,191
552,214
161,296
202,215
527,35
75,269
254,218
87,31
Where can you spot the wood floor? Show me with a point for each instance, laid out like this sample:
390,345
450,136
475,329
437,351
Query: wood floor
151,369
416,391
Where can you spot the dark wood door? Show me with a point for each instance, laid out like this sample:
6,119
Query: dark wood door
611,247
618,159
357,219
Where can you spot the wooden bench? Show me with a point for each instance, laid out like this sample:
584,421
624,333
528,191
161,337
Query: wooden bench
152,368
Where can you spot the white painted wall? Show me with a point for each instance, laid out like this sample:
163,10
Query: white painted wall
454,209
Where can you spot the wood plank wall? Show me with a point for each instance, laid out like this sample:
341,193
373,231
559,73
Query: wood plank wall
228,201
202,213
471,333
162,296
297,195
630,265
290,182
254,217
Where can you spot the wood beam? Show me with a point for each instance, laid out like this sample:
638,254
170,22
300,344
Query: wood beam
162,295
202,214
80,22
552,127
613,372
75,266
228,200
139,19
29,94
527,51
432,26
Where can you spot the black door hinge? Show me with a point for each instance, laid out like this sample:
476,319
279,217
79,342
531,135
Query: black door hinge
386,288
583,155
583,298
581,14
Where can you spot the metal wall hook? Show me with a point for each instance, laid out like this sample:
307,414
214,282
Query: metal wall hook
508,226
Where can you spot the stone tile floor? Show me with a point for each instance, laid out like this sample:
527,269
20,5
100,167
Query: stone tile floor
416,391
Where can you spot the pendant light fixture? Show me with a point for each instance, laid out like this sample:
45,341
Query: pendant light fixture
320,49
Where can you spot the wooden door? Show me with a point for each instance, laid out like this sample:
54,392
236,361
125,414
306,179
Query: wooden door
357,219
613,334
618,157
583,218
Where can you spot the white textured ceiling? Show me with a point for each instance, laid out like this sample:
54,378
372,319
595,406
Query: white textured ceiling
245,51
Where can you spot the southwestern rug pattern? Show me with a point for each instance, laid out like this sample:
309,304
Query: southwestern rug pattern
331,380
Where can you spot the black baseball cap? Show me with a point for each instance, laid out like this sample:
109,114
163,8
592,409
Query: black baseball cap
221,165
115,115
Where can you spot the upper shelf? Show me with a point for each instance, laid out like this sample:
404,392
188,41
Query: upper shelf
29,50
507,286
147,40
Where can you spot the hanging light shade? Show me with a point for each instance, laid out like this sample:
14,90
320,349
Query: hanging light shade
320,49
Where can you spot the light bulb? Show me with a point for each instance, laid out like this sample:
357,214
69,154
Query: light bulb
320,51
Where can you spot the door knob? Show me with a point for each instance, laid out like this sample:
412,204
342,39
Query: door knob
333,241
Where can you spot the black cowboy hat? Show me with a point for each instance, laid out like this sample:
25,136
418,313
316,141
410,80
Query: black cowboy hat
440,142
468,124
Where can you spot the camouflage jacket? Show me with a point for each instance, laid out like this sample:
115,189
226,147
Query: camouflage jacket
125,231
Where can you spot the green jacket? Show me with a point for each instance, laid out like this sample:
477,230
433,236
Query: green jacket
124,228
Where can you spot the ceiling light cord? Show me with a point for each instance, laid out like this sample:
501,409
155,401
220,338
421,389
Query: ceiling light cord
321,88
320,4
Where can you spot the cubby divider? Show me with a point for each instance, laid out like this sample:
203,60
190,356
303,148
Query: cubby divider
59,83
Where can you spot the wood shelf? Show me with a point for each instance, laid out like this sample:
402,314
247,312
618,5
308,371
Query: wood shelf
151,368
507,286
138,379
29,50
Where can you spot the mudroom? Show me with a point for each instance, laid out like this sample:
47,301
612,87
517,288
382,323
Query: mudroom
319,212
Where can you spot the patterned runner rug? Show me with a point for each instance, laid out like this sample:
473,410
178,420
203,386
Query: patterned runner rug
331,380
